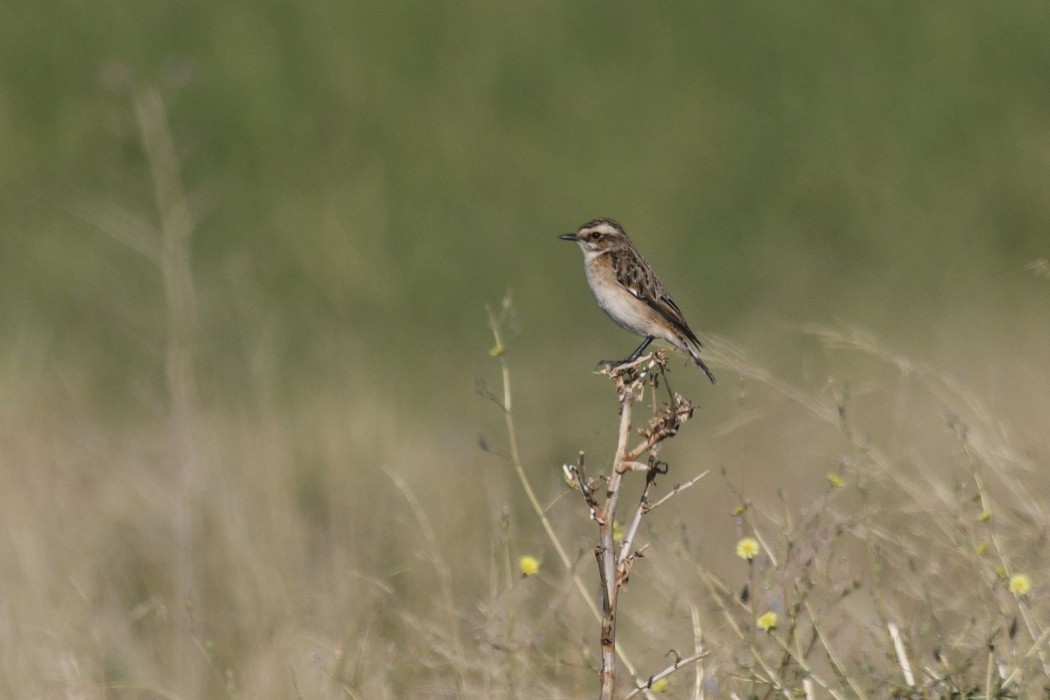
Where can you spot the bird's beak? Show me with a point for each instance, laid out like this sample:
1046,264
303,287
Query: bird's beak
569,237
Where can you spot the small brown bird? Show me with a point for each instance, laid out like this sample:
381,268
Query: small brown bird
629,292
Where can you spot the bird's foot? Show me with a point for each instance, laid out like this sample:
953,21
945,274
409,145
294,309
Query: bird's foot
613,365
629,364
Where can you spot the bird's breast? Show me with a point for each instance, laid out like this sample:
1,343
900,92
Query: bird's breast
628,311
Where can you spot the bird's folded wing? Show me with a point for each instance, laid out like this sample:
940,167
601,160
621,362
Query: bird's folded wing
635,275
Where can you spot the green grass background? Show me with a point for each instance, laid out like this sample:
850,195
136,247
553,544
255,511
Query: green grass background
367,176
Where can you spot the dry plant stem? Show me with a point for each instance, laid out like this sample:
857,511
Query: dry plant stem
496,324
606,552
614,562
176,231
698,646
902,655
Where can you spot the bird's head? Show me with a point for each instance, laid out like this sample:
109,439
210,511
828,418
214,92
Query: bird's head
598,236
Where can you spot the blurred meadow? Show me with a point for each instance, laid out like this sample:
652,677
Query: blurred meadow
251,440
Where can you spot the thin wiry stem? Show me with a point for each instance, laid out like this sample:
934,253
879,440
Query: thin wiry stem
496,325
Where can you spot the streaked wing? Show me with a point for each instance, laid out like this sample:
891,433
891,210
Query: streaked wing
634,273
672,308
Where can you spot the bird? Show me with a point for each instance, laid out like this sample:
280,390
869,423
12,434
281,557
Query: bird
630,293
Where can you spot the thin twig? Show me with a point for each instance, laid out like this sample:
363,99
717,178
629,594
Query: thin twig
678,663
678,488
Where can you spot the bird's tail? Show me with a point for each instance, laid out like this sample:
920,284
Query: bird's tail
694,353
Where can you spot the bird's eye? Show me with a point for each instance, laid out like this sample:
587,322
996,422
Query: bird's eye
595,235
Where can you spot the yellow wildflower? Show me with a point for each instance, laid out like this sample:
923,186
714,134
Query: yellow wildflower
747,548
530,566
767,622
1020,585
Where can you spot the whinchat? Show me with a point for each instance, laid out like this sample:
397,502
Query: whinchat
629,291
